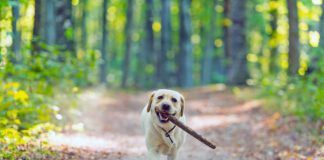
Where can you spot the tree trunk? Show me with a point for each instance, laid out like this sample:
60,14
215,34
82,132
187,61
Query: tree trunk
15,33
84,35
238,72
226,33
104,61
207,57
37,26
50,17
64,25
293,54
185,63
147,53
273,67
162,70
128,32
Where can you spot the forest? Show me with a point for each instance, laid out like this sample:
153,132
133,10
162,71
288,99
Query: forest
261,61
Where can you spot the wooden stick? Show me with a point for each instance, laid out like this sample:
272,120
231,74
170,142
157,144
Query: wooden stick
191,132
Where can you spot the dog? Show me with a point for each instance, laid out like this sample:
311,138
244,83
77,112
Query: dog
162,137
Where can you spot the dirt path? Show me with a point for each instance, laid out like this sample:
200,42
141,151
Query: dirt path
241,129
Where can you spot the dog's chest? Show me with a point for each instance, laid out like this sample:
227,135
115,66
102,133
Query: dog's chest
163,148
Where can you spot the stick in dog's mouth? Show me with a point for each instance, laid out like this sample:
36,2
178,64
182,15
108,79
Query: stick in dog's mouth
163,116
190,131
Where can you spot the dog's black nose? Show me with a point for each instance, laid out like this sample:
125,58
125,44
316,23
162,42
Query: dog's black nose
165,107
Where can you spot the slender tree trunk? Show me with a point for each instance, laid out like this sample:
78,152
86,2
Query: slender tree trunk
84,35
61,23
37,26
114,48
207,57
238,72
162,70
64,25
71,28
145,55
50,18
128,32
104,61
140,67
185,77
149,42
15,33
293,54
226,33
273,67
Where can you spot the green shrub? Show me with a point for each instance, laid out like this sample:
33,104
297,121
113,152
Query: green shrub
23,118
28,91
301,96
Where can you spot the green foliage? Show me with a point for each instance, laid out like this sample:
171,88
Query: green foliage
23,117
301,96
268,58
28,90
4,3
15,144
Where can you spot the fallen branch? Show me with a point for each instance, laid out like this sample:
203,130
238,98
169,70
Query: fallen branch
191,132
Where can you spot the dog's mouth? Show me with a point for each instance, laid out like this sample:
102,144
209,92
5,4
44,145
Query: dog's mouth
163,116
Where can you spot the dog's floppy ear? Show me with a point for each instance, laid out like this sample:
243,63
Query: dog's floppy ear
182,106
150,102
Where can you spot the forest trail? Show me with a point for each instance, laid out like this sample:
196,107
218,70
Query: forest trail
239,128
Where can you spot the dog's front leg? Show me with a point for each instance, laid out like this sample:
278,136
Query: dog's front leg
152,155
173,156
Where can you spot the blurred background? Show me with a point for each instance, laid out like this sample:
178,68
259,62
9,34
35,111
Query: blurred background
147,44
55,49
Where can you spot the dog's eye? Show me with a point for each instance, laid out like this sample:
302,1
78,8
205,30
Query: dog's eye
160,97
174,100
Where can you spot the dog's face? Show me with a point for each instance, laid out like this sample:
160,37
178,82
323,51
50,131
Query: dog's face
165,102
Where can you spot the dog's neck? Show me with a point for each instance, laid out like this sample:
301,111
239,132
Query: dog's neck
167,133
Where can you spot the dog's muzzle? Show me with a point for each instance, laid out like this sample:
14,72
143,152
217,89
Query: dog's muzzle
163,116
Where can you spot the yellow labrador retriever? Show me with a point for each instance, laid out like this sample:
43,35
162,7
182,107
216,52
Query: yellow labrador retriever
162,136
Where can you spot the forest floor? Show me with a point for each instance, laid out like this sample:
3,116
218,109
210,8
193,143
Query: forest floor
240,128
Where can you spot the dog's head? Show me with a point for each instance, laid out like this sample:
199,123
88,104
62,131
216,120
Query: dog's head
164,102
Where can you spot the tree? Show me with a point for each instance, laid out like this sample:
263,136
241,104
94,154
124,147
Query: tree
15,33
162,71
293,54
37,27
84,35
128,32
238,72
185,59
104,61
50,33
147,50
273,67
226,32
64,25
207,57
44,24
149,35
